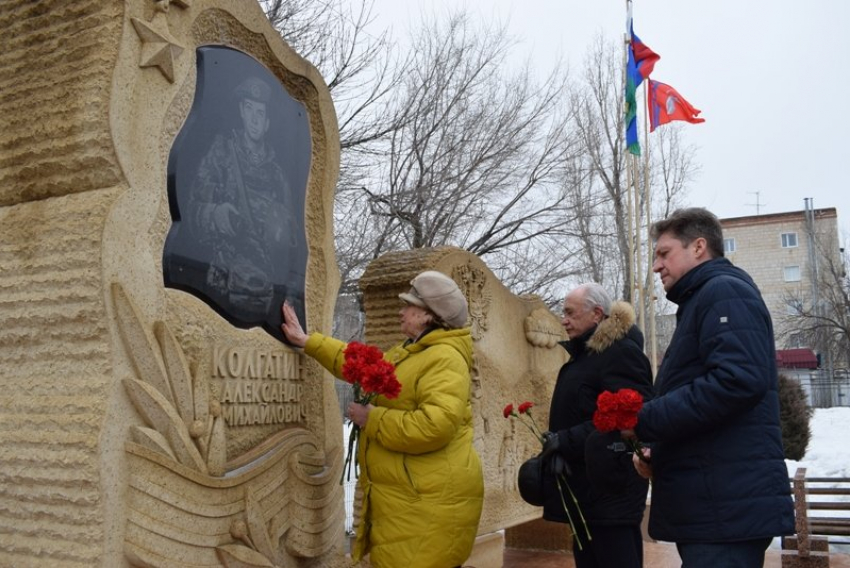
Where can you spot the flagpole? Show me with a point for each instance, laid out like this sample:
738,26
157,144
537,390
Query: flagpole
630,178
638,276
648,281
633,180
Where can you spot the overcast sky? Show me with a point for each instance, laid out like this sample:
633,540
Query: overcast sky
770,78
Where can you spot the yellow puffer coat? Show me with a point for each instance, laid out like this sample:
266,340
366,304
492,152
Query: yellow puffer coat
422,483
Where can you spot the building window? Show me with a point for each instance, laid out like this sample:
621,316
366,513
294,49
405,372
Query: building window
793,308
792,273
795,341
789,240
729,245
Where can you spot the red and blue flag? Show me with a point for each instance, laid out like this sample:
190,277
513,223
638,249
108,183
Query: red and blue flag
640,63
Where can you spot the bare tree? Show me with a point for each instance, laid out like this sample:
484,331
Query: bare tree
821,319
363,70
673,168
598,123
448,145
475,160
361,67
603,238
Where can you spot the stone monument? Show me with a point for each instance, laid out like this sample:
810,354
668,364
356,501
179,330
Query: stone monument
166,179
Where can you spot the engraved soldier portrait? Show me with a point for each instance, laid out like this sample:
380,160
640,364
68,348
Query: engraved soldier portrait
237,203
240,204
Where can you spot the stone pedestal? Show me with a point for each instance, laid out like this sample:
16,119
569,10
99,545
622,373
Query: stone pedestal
540,534
139,426
489,551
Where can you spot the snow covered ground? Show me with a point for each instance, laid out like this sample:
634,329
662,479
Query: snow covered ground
828,454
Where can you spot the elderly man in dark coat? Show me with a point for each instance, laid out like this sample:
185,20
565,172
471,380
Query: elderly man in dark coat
606,354
720,485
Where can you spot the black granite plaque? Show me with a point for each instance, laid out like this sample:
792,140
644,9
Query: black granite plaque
237,178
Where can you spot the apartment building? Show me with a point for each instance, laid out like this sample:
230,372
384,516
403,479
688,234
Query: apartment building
789,256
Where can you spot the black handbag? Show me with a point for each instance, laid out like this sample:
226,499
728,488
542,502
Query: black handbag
530,481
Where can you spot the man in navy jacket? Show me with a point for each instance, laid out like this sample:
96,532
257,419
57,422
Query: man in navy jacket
720,486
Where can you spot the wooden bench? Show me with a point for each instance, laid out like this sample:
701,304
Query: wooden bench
822,513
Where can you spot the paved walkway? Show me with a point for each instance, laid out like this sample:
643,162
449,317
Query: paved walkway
656,555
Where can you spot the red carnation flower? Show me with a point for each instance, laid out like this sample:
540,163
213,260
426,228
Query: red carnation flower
379,378
372,375
630,400
525,407
509,410
619,412
626,420
359,360
607,402
604,421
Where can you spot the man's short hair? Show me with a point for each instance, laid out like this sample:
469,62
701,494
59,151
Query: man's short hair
691,223
596,295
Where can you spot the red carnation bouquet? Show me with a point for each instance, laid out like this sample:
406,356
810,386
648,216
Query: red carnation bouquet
618,411
371,375
523,414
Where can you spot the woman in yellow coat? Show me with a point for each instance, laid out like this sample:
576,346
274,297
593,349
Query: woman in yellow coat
422,483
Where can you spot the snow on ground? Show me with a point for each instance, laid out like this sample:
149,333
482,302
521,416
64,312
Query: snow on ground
828,454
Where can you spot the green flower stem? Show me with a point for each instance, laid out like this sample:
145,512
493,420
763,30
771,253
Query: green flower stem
580,514
352,458
535,429
637,448
353,442
531,427
558,480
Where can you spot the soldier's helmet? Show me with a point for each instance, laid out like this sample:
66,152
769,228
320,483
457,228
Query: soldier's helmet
255,89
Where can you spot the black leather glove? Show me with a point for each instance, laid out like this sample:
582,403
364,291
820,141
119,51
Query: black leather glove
552,458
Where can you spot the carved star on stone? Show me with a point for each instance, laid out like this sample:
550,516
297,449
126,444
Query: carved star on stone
158,46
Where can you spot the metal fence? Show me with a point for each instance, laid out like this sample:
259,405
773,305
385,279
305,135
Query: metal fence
823,389
348,486
345,394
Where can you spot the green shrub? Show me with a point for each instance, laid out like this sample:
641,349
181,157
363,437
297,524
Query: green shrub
794,415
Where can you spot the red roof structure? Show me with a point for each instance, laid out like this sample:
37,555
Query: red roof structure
796,359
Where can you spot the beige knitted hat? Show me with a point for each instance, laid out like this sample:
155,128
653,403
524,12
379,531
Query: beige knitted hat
437,292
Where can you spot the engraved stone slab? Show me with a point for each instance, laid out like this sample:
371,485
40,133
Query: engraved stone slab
144,424
237,177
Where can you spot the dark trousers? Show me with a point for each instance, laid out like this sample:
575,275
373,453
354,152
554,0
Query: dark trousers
610,547
743,554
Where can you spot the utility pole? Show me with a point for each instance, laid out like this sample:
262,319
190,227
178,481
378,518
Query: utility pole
822,343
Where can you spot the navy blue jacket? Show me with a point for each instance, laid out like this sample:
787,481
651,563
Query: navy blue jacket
609,357
719,472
